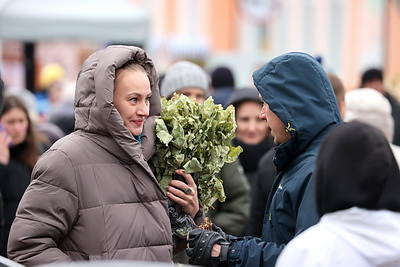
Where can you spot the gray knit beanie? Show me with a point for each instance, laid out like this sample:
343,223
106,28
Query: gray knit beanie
184,74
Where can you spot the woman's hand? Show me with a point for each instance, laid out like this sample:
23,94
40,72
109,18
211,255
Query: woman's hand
184,194
5,140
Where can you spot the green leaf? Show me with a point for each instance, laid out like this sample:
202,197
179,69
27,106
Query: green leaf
193,166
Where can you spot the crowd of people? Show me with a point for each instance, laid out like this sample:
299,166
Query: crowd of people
317,183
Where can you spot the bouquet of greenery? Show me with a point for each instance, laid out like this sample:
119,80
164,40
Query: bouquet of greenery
197,138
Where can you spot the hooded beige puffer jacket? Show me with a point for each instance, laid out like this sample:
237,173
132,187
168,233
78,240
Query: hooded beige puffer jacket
93,195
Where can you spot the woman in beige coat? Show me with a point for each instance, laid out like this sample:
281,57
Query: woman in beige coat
93,195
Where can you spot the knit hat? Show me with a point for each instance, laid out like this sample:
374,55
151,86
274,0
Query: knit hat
184,74
369,106
222,77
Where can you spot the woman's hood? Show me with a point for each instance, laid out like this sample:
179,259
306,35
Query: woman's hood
356,168
298,91
94,108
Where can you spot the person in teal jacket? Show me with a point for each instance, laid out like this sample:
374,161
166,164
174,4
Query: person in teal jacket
301,109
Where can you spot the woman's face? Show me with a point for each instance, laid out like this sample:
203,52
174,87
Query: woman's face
251,129
132,98
16,123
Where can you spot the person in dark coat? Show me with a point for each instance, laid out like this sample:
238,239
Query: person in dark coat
373,78
301,109
19,151
264,180
3,251
252,133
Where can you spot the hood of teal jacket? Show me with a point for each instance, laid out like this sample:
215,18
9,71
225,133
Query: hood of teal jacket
298,91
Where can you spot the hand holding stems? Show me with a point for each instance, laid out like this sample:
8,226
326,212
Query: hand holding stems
184,194
5,141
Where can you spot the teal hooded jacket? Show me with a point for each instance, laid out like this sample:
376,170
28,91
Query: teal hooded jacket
298,91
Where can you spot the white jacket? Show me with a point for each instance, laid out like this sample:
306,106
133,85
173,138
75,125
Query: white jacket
352,237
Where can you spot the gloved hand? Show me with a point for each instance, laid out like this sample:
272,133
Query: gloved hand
201,243
217,229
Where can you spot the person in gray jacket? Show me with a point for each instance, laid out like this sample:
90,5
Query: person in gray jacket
93,195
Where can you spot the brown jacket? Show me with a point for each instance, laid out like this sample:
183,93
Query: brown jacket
93,195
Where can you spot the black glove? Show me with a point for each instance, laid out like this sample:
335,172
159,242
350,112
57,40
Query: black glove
217,229
201,243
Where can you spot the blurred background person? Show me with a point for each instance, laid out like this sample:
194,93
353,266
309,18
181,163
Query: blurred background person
187,78
357,187
338,88
3,250
371,107
47,132
267,170
253,135
19,151
374,78
222,84
50,85
62,112
1,93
